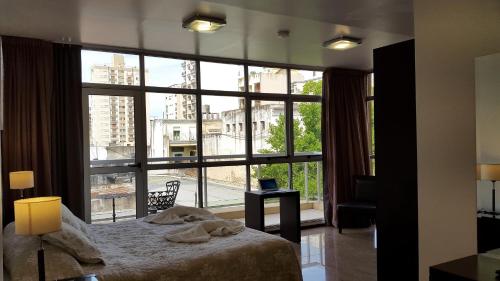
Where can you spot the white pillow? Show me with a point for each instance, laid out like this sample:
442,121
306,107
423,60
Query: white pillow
76,243
69,218
21,262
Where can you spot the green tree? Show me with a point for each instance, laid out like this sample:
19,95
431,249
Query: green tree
307,138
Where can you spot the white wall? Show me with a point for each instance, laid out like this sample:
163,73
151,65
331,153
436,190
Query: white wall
449,34
487,70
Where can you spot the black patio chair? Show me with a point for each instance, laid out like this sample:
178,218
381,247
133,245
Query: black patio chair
162,200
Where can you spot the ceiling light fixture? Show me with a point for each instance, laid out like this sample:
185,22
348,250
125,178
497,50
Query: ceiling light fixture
203,24
342,43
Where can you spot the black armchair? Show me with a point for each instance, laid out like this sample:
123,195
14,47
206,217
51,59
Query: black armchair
364,203
161,200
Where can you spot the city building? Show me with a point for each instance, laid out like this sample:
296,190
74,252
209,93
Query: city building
111,118
117,73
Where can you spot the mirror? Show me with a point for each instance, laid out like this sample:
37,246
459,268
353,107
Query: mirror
487,73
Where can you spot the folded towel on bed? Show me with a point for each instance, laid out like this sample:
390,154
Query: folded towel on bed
202,231
180,214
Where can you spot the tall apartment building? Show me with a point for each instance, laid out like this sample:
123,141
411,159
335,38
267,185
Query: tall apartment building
180,107
189,74
111,120
183,107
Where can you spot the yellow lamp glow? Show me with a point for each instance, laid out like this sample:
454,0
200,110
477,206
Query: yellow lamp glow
21,180
36,216
489,172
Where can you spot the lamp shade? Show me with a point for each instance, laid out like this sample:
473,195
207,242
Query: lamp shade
21,179
39,215
489,172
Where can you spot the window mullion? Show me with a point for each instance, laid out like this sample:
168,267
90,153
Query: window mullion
199,135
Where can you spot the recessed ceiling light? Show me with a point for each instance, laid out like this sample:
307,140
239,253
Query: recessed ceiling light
203,24
342,43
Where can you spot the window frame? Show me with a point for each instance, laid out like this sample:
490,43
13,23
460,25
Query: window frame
288,98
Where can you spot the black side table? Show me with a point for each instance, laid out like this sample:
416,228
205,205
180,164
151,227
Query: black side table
471,268
88,277
289,211
488,232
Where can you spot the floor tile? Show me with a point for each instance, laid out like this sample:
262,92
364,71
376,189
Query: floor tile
327,255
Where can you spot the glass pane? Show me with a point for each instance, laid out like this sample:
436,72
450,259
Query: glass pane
267,80
371,120
110,68
171,127
371,91
111,130
188,186
224,186
275,171
278,172
223,128
268,128
172,73
306,82
307,128
106,188
221,76
308,179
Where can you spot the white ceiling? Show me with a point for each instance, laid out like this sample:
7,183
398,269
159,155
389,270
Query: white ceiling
251,32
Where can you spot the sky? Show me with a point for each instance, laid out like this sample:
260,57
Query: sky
165,72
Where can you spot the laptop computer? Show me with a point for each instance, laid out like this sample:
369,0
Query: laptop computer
268,185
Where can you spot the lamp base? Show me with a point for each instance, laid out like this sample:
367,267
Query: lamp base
41,262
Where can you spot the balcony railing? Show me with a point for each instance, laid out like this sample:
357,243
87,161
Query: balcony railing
216,194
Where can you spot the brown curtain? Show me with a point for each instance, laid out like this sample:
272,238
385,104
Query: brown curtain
34,97
28,76
345,149
67,128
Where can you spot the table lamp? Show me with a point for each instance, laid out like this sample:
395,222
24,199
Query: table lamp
38,216
490,172
21,180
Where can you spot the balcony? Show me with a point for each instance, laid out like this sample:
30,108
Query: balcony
225,199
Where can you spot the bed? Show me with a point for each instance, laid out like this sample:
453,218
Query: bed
137,250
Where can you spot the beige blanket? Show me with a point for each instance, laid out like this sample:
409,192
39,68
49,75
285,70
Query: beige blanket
138,251
180,214
201,231
205,224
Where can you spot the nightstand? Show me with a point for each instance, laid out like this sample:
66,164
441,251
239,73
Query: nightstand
88,277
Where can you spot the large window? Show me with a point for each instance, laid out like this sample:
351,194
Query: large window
224,186
370,105
267,80
307,128
110,68
221,76
170,73
214,127
268,128
187,194
223,128
302,82
171,127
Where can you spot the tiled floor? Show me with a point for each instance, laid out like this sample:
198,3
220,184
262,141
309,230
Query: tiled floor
329,256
